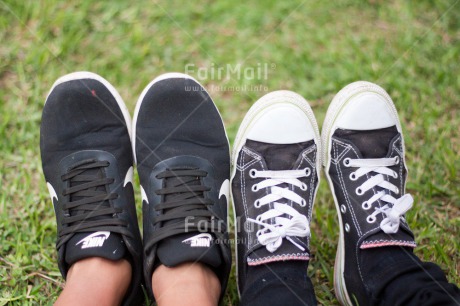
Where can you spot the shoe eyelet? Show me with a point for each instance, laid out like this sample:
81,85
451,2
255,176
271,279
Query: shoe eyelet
371,219
255,188
303,203
397,160
252,173
258,233
395,175
359,191
258,218
303,187
353,176
257,203
347,227
343,209
307,172
397,190
346,162
365,205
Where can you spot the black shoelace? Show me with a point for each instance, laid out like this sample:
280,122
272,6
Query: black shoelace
88,206
183,196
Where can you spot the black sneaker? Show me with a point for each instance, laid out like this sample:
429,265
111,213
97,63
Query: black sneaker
276,171
364,162
88,165
183,163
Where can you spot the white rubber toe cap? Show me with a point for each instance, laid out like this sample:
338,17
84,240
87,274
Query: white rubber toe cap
367,111
282,123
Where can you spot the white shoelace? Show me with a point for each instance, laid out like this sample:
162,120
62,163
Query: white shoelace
296,224
393,213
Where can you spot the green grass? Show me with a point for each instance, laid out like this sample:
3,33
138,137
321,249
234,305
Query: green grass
411,48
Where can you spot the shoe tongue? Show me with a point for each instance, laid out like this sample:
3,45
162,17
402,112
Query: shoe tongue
278,156
189,247
371,143
287,251
94,244
193,246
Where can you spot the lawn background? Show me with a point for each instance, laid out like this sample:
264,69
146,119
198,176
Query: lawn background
411,48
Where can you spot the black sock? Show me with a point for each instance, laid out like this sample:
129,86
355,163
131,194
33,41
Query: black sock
279,283
380,265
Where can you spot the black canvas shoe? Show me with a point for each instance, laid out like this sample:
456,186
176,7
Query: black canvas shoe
364,163
275,177
183,163
88,165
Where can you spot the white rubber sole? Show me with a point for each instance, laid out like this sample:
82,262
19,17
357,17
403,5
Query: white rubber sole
81,75
236,238
337,105
165,76
271,99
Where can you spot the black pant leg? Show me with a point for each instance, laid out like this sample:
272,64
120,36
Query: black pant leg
424,286
273,291
396,276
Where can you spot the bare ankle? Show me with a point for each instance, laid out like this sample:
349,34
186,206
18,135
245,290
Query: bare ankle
192,282
96,281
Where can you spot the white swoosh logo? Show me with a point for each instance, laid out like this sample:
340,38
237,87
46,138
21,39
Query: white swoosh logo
225,189
203,235
200,240
129,176
105,234
52,192
144,195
